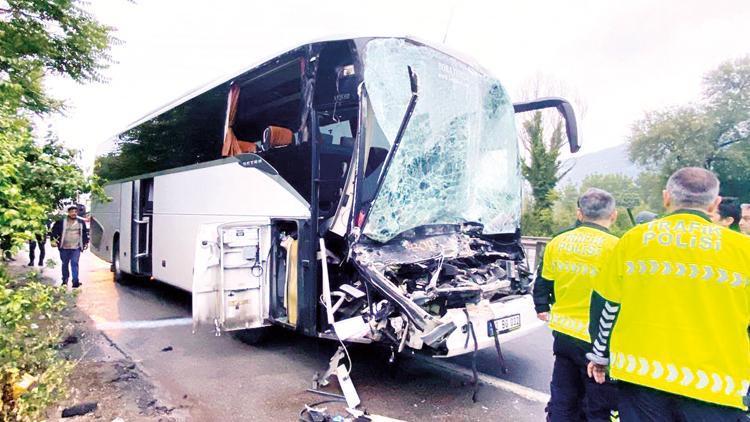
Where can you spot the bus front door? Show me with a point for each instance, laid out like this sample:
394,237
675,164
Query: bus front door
141,225
231,275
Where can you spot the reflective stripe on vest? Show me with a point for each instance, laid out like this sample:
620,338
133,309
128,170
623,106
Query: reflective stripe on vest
683,287
689,381
573,260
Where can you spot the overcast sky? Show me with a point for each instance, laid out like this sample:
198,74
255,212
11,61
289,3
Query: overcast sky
619,58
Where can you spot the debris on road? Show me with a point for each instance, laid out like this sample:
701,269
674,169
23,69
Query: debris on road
79,409
325,393
71,339
363,416
106,384
347,386
342,374
350,397
317,413
167,349
332,365
125,372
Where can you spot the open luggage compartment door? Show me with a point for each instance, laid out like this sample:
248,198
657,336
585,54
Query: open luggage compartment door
230,275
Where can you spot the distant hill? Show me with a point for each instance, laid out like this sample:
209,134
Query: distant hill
607,161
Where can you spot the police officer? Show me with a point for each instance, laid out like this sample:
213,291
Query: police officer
673,311
562,290
729,213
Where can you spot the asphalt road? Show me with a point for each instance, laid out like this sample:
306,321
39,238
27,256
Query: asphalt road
224,378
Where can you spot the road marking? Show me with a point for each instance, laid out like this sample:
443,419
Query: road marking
102,324
505,385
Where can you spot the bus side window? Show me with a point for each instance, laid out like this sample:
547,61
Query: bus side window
267,106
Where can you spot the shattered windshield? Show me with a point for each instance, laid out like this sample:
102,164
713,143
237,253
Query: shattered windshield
458,159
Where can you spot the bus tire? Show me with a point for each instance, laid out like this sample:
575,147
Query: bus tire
252,336
120,276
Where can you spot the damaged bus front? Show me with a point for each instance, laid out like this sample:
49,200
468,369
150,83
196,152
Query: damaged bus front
363,189
431,207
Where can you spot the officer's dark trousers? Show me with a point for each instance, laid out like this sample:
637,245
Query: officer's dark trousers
642,404
575,396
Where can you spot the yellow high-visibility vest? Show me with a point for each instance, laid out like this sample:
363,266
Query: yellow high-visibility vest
572,260
683,285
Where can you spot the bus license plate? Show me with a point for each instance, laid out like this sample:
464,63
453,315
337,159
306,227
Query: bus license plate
503,325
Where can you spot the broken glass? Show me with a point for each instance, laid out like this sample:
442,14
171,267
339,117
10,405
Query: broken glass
458,160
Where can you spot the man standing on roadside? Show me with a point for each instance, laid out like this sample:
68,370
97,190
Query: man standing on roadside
71,236
671,312
562,292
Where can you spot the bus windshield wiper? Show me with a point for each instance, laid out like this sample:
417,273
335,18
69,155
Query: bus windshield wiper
413,81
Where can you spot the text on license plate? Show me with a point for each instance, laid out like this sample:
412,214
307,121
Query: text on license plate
504,324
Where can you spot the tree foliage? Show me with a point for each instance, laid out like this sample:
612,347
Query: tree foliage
36,178
20,214
542,170
713,133
626,194
623,189
38,38
51,174
30,333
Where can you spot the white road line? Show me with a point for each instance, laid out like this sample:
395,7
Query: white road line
130,325
511,387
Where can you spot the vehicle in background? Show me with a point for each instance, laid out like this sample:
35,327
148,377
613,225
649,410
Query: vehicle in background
369,190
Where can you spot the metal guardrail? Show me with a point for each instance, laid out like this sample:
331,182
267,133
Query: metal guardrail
534,248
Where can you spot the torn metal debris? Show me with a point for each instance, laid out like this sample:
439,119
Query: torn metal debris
424,290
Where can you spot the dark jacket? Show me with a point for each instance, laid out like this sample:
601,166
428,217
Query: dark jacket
58,228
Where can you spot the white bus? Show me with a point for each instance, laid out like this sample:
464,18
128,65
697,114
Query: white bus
364,189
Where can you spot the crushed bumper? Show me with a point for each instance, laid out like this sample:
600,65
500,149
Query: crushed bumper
461,342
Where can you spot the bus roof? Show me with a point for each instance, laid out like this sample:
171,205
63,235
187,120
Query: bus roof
231,75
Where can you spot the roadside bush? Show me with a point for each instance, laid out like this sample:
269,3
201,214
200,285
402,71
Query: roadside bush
536,222
32,372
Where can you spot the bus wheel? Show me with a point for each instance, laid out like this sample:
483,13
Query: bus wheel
120,276
252,336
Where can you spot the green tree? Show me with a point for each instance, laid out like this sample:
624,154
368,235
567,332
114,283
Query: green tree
623,189
542,170
50,174
38,38
564,210
31,330
714,134
20,214
650,185
625,192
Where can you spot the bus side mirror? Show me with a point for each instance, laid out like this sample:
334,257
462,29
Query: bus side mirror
562,106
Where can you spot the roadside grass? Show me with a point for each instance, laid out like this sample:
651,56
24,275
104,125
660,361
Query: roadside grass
33,325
